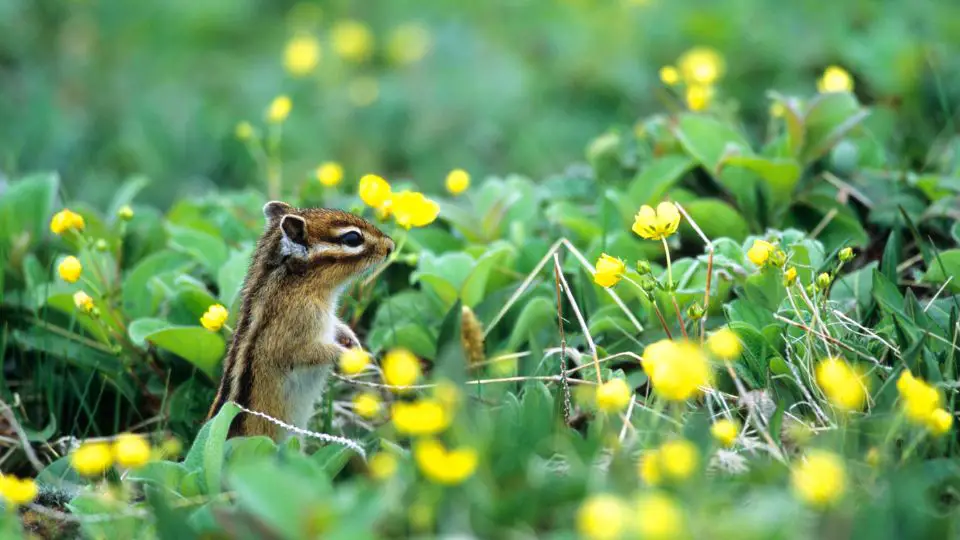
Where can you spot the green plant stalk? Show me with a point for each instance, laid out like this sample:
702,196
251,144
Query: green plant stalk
653,302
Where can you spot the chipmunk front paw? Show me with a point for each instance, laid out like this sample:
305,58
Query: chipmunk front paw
347,338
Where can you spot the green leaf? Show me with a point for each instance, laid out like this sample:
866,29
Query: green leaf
165,474
140,298
945,266
475,284
141,328
854,290
652,183
537,313
411,336
230,276
765,289
206,454
780,176
280,497
828,119
707,140
26,208
127,192
194,344
208,250
716,218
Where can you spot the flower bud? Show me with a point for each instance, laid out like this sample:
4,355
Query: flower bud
846,255
778,258
125,212
823,281
643,268
101,245
648,284
695,312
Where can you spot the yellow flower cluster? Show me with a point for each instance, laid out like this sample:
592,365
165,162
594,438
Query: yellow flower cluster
922,404
698,69
383,465
330,173
301,55
725,432
367,405
15,491
677,369
409,208
844,385
820,479
654,516
657,224
352,40
70,269
613,395
423,417
400,368
128,450
408,43
759,253
835,79
66,220
674,460
609,271
442,465
353,361
214,318
458,180
725,344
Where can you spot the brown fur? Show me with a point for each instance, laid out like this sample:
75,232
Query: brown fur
286,315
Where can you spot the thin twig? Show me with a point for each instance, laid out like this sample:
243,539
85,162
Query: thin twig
583,323
11,418
706,292
565,386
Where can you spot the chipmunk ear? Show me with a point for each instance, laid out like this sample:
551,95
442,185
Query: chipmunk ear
294,229
276,209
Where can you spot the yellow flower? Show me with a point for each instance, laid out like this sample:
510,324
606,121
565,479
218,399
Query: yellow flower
677,370
83,301
367,405
939,422
777,109
66,220
669,75
424,417
279,109
301,55
698,97
601,517
383,465
678,459
820,479
760,252
363,91
656,224
919,398
330,173
243,131
725,432
701,66
725,344
374,191
400,368
844,385
609,271
352,361
458,180
408,43
442,466
70,269
125,212
649,468
214,318
412,209
92,459
131,451
790,275
658,517
15,491
352,40
613,395
170,448
835,79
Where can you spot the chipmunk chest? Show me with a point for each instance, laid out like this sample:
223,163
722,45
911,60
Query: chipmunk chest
304,386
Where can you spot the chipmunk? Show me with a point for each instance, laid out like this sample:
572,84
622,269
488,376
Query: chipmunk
288,334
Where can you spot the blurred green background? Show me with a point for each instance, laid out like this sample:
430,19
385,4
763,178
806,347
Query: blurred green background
103,89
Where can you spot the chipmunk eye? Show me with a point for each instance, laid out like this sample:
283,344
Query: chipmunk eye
351,239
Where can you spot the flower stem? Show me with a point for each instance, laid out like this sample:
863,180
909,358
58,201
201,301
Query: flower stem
666,251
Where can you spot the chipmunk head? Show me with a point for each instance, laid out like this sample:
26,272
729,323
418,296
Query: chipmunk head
333,244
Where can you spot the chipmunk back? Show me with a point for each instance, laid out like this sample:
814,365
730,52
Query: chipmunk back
287,334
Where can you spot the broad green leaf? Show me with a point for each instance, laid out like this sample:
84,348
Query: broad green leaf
707,139
208,250
780,175
282,498
205,457
828,118
139,298
656,178
230,276
574,218
139,329
716,218
126,193
26,208
165,474
946,265
854,290
475,284
538,312
413,337
194,344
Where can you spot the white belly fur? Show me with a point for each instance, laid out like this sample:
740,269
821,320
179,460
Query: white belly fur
303,388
